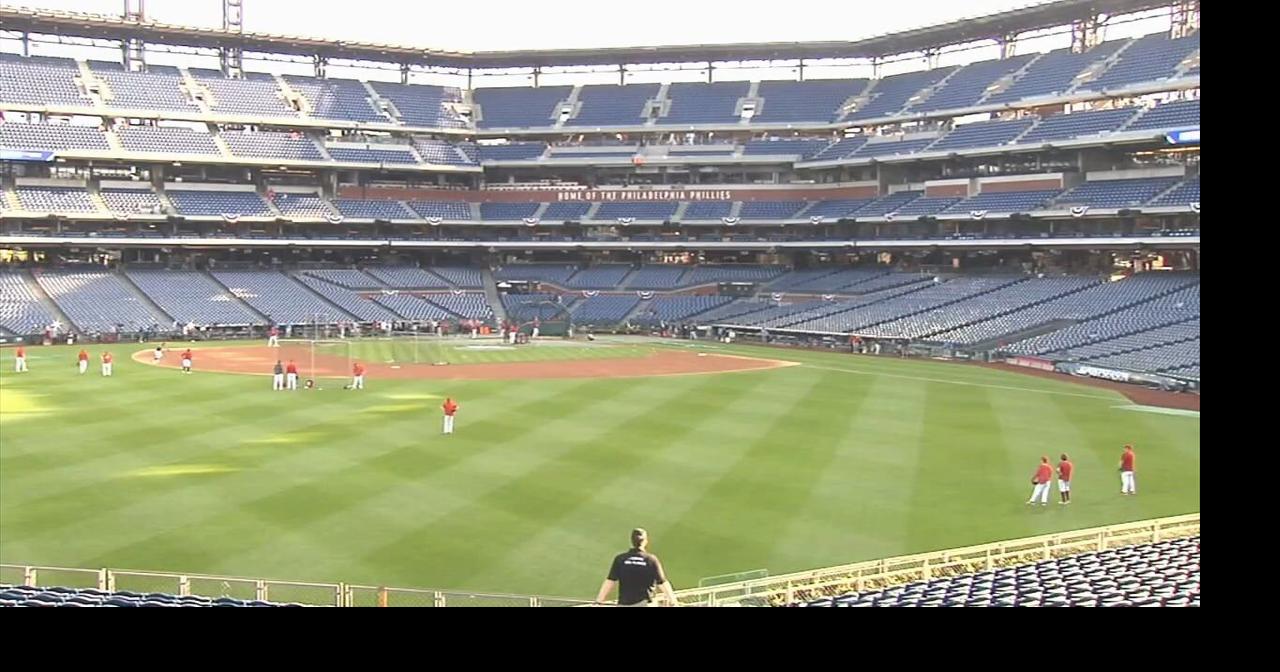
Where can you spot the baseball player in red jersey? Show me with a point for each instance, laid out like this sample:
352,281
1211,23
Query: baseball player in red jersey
186,360
273,338
20,360
83,361
357,376
106,363
1064,479
1044,473
1127,462
291,376
450,407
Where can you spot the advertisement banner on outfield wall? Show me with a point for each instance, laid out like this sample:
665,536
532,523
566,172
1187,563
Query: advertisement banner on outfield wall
1150,379
1031,363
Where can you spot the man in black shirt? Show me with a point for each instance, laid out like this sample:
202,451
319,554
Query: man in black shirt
636,573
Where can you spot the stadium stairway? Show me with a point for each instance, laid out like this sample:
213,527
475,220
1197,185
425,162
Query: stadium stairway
1014,310
142,296
491,295
48,303
263,319
640,308
1022,334
338,310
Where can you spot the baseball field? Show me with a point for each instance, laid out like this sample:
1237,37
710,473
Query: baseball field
735,458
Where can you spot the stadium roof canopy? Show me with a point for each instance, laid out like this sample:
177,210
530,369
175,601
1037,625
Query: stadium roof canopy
991,26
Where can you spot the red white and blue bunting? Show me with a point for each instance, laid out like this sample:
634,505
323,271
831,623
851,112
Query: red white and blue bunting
590,292
531,221
645,295
828,297
1079,210
776,296
1195,207
231,216
890,216
815,219
333,217
435,221
626,220
730,221
977,214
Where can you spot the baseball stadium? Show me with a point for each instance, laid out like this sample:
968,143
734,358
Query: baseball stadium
291,320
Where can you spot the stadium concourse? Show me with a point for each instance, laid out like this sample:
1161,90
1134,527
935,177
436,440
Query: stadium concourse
901,284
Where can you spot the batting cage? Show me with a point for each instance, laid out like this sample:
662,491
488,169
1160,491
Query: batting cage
317,359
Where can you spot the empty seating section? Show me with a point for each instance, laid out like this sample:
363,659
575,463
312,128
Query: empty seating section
519,107
28,596
708,210
657,277
890,203
637,209
969,84
1004,201
555,273
1141,340
1116,193
459,276
1154,359
357,208
190,296
412,307
712,150
925,206
982,134
514,151
161,88
792,280
1127,320
735,309
1078,124
132,201
278,297
698,103
602,276
55,199
813,101
1090,303
468,306
1148,59
338,99
441,152
731,273
216,203
892,147
789,146
51,137
604,309
288,146
1054,73
566,211
97,301
349,278
1166,574
586,154
364,310
166,140
21,312
257,94
679,308
871,319
837,208
779,314
525,307
450,210
407,277
1186,193
840,149
303,206
1176,114
423,105
770,209
983,307
508,211
612,105
889,94
373,154
40,81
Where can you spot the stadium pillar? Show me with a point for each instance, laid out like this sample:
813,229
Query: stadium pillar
1185,18
134,49
232,58
537,73
26,44
800,69
404,74
931,58
622,74
320,62
875,68
711,71
1086,33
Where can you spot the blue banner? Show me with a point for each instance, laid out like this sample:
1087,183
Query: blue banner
23,155
1188,136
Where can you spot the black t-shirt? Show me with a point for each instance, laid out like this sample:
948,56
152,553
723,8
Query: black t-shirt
637,574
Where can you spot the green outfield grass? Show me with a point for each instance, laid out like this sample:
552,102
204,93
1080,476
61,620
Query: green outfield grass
428,349
843,459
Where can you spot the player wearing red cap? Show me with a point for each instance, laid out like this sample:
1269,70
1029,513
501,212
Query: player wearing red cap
20,360
1127,461
82,361
1041,482
357,376
186,360
291,376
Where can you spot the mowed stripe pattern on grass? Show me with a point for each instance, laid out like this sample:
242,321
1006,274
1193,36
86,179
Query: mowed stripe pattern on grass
784,469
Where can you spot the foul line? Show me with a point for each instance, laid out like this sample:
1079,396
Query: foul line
993,386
